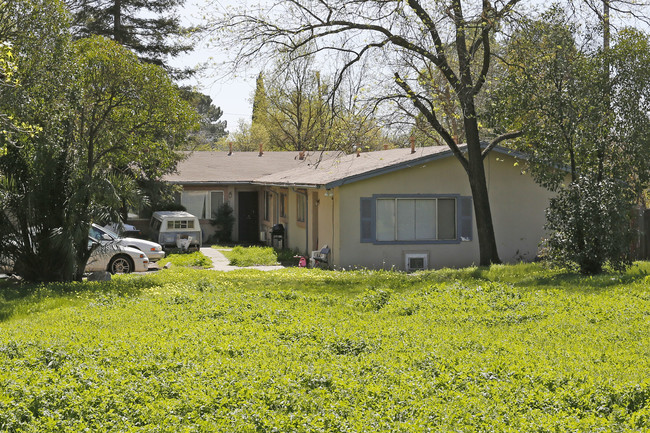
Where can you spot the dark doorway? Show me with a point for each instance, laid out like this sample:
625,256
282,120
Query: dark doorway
248,216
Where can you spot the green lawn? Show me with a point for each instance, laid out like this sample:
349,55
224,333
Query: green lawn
509,349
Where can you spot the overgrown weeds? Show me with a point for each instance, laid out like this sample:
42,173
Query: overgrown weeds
251,256
510,348
196,260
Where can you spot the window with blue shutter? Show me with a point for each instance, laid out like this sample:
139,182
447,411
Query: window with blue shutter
416,219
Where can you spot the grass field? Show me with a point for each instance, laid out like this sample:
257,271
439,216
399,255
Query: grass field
509,349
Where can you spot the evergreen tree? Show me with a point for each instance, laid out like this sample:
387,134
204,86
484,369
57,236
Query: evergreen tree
151,29
211,129
259,125
260,101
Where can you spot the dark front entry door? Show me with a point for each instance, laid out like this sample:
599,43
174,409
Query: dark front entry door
248,216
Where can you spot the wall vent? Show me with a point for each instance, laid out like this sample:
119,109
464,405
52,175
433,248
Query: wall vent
416,262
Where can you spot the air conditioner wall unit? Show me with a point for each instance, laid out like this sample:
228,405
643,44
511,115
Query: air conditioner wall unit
416,262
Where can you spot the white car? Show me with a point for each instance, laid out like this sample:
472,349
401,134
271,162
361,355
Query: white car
153,250
106,257
124,230
116,258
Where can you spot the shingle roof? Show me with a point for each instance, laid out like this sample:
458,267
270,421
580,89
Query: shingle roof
318,169
239,167
337,169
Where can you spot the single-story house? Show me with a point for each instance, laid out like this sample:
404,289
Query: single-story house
398,208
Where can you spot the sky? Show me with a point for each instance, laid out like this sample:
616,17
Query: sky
232,94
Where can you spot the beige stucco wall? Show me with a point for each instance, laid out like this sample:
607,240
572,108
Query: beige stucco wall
327,221
275,216
296,231
517,204
518,207
320,226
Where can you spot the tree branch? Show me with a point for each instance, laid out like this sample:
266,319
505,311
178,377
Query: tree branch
499,139
433,120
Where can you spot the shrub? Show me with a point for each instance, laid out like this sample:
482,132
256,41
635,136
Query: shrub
287,257
373,299
224,221
590,226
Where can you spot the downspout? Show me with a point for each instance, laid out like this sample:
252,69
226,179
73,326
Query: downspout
276,207
333,234
307,225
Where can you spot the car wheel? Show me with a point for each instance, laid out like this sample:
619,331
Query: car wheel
120,265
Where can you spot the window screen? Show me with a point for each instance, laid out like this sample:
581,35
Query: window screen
195,202
385,220
406,220
425,219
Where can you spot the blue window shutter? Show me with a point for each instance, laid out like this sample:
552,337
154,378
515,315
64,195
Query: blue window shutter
367,219
465,212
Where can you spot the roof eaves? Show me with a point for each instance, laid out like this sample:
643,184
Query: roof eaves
288,184
210,183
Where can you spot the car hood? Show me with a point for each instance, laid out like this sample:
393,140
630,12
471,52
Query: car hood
136,241
115,246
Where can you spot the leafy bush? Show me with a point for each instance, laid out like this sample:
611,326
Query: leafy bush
286,256
224,221
195,259
373,299
590,226
251,256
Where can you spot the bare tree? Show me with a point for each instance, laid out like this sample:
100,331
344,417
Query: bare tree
403,39
297,111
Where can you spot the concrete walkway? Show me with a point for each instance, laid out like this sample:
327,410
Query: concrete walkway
221,263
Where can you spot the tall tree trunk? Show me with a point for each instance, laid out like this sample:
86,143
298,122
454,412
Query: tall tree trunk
607,95
117,22
478,184
606,25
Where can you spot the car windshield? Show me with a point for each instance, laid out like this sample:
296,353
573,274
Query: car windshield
98,233
111,233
